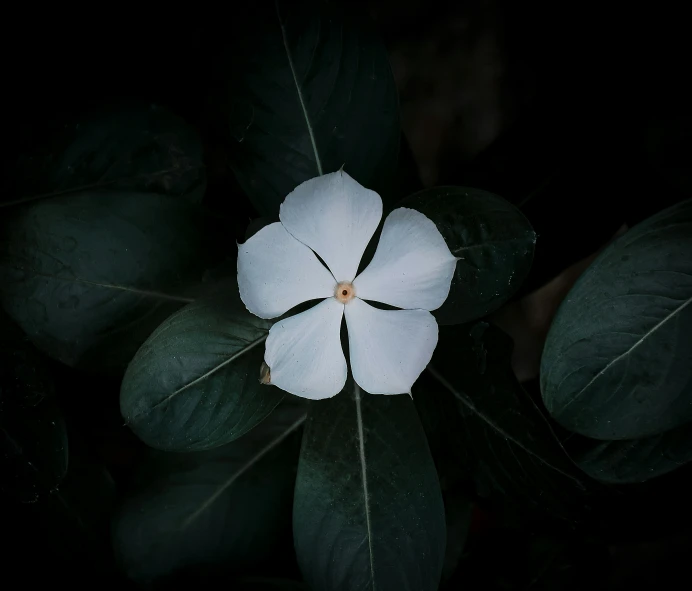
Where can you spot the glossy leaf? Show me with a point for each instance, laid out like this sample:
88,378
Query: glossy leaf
319,95
368,512
89,275
33,437
135,147
218,511
509,448
194,384
494,241
617,362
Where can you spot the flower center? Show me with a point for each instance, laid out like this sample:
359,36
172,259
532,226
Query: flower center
345,292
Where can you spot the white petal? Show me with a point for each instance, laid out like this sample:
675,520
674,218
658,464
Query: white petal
276,272
336,217
304,352
389,348
412,266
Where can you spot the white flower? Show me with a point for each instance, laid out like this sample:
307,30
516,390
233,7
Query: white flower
335,217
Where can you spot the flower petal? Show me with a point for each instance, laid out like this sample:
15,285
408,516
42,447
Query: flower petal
412,266
276,272
336,217
304,352
389,348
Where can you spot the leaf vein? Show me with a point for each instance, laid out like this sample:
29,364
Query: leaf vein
244,468
311,133
627,352
499,430
204,376
364,472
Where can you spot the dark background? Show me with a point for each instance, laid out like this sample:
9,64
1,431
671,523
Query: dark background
580,114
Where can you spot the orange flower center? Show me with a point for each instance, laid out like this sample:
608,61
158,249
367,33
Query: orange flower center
344,292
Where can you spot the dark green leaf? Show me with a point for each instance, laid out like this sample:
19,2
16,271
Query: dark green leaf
194,384
138,147
494,241
368,511
458,513
633,460
509,447
88,276
617,362
33,438
312,92
444,430
214,511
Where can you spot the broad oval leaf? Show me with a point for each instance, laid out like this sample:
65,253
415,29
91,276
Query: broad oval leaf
318,96
507,446
88,276
134,147
33,436
617,362
217,511
368,511
194,384
493,240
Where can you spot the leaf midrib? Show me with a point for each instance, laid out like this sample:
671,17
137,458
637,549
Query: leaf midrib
299,91
97,185
203,377
486,243
626,353
440,378
244,468
134,290
364,478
